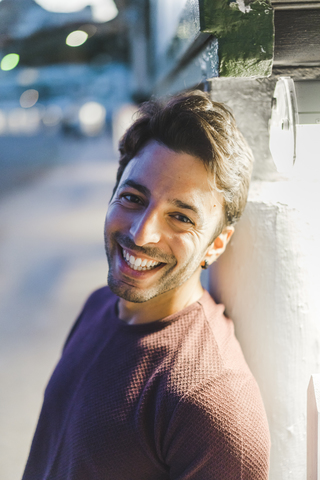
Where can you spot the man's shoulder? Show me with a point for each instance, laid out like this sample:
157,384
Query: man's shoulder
208,364
205,342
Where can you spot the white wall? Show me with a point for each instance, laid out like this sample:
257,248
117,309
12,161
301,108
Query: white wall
269,281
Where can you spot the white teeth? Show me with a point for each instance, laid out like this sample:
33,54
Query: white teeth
138,263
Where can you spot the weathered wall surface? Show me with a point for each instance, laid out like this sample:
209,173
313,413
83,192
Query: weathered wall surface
250,102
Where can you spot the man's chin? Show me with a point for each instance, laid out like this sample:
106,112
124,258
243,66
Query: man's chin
129,293
134,294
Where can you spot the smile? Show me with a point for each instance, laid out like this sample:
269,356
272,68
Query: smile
137,263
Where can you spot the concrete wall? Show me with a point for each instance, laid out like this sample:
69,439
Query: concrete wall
269,279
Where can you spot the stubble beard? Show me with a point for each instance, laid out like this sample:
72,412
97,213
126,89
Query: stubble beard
164,284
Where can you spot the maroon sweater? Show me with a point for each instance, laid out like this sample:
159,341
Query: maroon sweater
172,399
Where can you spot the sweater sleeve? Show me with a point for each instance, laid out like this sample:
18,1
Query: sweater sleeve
219,431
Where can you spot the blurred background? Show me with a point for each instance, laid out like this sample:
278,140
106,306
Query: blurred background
65,73
69,84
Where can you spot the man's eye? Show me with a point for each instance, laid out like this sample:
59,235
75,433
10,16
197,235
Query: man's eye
131,198
182,218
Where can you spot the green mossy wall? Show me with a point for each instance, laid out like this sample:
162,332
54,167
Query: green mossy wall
245,33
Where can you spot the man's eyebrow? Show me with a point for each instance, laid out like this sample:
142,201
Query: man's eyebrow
137,186
180,204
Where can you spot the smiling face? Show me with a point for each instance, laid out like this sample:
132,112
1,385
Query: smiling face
160,224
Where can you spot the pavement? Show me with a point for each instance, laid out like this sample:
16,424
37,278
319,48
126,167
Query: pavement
51,258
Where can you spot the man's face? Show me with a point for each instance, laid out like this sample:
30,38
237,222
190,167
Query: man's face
159,223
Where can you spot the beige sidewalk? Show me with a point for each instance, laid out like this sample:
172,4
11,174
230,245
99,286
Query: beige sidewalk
51,257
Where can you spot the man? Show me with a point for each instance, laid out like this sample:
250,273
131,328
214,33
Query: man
152,383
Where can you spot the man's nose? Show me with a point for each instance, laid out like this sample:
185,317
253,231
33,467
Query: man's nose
146,229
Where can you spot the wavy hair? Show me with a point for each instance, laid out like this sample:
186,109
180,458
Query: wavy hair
192,123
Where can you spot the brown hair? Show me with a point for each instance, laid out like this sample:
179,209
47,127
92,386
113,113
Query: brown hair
192,123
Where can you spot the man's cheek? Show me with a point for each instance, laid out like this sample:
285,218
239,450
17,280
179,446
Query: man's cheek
113,217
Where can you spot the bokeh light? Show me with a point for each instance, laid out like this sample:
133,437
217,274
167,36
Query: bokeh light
76,38
52,116
29,98
23,122
92,116
63,5
102,10
10,61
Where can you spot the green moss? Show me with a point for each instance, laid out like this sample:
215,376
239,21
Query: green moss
246,36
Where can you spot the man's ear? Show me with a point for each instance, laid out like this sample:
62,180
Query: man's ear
218,246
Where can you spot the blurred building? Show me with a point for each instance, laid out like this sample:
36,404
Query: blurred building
56,88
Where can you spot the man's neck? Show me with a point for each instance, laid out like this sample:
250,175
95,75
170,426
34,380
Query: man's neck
161,306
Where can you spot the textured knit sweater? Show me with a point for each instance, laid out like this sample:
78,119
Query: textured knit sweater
171,399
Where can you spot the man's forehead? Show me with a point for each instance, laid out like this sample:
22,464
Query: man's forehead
157,159
143,176
179,176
